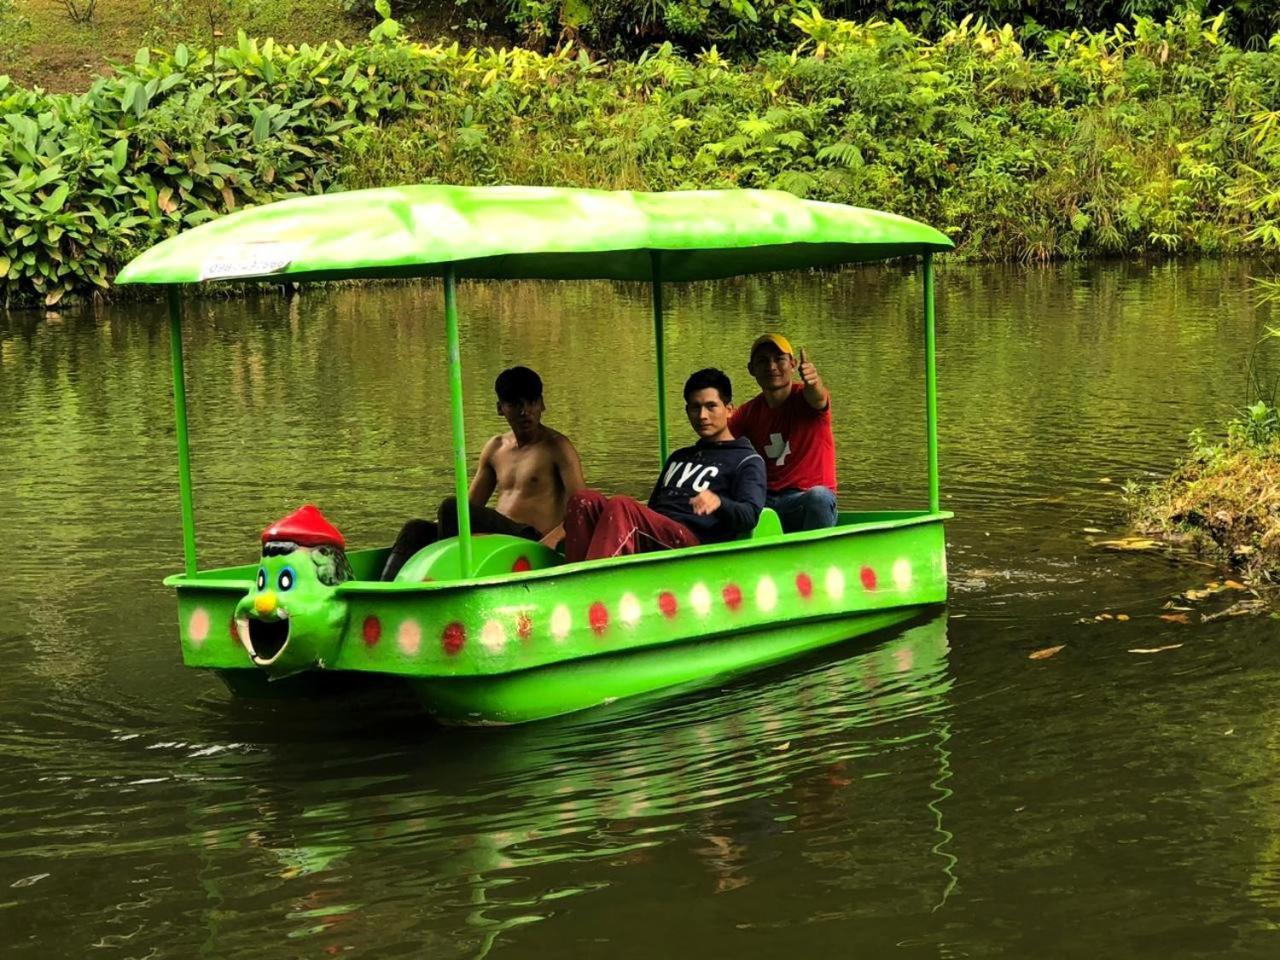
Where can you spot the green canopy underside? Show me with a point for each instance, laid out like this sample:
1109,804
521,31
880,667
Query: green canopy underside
530,233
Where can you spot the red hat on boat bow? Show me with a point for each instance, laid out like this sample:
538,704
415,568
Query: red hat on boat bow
306,527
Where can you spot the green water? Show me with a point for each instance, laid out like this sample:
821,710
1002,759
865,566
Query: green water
928,793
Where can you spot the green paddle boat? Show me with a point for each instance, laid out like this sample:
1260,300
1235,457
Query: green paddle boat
495,629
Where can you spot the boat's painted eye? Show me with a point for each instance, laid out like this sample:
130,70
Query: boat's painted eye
262,578
285,581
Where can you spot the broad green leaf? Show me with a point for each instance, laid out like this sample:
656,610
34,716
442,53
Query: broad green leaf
53,203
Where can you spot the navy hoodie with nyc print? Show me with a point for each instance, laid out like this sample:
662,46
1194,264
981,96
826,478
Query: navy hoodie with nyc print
731,469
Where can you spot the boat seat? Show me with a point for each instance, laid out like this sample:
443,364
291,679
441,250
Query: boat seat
769,525
492,554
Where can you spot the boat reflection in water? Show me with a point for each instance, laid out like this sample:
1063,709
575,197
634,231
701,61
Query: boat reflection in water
811,774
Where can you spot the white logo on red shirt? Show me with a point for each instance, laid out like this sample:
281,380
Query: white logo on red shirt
778,448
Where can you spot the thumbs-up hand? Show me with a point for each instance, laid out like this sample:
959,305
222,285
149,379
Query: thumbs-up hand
808,372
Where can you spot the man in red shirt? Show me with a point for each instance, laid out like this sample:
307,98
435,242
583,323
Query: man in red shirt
789,423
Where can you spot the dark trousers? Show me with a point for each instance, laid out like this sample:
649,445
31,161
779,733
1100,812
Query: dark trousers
416,534
596,526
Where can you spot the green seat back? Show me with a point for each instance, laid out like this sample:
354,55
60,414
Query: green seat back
767,526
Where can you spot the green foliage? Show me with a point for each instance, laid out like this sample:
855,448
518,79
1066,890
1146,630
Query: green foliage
625,27
15,32
1156,138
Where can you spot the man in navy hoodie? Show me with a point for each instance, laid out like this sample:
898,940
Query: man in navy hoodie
707,493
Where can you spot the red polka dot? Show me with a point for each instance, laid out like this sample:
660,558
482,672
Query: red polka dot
521,565
732,596
455,636
804,584
667,604
372,630
524,627
868,578
599,618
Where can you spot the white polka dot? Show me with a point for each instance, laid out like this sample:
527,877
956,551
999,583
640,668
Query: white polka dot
198,627
629,609
493,636
700,599
902,574
766,594
409,636
835,583
561,622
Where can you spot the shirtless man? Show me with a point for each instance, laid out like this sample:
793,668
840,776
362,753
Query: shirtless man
533,469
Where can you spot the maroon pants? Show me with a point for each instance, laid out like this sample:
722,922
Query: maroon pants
596,526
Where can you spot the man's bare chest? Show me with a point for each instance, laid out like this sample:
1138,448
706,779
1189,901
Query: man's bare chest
528,471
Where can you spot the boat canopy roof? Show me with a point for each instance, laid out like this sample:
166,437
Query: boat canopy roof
530,233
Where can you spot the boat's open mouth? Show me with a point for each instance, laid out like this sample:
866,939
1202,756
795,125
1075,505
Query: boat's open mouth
267,638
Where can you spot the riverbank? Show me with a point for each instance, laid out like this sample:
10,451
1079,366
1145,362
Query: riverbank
1223,499
1145,140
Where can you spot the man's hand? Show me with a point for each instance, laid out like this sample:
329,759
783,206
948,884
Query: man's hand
815,391
705,503
808,372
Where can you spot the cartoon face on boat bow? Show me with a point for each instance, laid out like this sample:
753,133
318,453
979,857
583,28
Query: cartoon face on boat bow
291,619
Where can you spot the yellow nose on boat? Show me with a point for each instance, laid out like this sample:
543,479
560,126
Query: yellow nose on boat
265,603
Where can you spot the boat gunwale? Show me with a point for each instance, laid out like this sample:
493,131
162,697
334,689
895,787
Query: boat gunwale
394,589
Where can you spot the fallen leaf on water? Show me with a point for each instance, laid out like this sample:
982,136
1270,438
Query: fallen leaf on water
1129,543
1173,606
1104,479
1104,616
1122,616
1170,646
1045,653
783,746
1227,733
1234,585
1175,617
1094,530
1197,595
28,881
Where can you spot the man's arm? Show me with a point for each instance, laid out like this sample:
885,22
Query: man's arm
486,479
815,391
569,467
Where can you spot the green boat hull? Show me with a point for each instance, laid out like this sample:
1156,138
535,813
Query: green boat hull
532,644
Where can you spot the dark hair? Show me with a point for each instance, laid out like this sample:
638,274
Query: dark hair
709,379
516,384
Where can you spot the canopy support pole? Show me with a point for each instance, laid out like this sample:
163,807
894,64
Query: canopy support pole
931,386
455,411
180,421
655,258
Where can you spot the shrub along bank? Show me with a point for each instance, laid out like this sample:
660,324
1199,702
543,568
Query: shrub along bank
1223,499
1155,138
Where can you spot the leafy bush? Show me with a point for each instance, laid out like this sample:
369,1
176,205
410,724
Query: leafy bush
15,31
625,27
1155,138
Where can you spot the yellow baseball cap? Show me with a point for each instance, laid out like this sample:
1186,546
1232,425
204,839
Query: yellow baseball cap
777,339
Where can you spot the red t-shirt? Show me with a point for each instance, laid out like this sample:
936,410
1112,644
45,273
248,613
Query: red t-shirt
794,439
